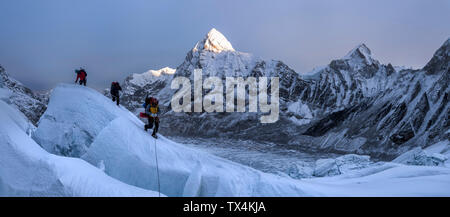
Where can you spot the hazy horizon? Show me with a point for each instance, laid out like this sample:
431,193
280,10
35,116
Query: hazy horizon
42,42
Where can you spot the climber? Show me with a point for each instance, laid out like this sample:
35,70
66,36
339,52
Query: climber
81,74
115,88
151,112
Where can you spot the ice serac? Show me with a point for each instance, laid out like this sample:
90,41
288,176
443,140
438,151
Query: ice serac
28,170
128,154
33,105
71,132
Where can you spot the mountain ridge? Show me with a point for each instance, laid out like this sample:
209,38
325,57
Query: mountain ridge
346,92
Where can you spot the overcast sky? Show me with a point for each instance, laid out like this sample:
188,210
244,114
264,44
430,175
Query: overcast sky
42,41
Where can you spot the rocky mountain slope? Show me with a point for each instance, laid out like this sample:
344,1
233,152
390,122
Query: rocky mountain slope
412,109
33,105
353,105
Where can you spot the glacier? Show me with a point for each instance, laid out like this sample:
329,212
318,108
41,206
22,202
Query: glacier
81,122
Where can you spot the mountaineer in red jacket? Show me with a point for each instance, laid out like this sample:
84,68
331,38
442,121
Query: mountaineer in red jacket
81,74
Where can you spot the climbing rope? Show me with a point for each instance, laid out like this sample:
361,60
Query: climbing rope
157,171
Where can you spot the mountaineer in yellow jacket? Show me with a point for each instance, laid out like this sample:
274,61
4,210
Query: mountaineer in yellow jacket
152,112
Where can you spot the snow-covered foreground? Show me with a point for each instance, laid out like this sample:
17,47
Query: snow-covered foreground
28,170
82,122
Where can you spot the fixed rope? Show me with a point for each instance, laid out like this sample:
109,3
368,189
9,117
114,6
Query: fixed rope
157,171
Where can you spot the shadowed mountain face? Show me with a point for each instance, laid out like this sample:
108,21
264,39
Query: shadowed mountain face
353,105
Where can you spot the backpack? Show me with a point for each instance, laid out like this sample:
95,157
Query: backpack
112,89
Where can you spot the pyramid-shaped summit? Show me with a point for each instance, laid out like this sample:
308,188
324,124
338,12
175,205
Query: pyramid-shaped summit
360,52
215,42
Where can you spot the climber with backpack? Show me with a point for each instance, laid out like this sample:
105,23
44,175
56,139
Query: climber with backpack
81,74
151,113
115,88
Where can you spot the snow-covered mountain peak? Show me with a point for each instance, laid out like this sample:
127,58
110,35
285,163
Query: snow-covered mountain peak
163,71
215,42
150,75
360,52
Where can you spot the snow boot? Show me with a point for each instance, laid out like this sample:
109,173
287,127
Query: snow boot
154,135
